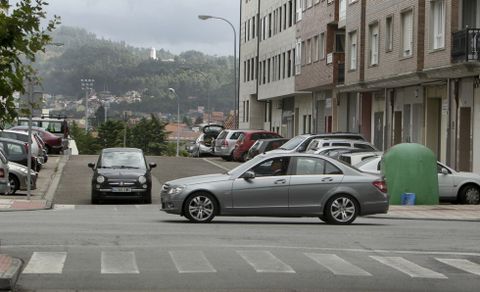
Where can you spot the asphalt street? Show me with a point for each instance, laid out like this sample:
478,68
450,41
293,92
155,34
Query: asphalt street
132,247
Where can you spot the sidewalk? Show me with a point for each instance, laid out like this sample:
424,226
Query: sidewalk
437,212
42,197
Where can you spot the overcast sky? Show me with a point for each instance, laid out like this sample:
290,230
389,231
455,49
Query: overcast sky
169,24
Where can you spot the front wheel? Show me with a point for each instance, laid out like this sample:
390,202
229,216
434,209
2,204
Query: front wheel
95,198
200,208
148,198
470,195
341,210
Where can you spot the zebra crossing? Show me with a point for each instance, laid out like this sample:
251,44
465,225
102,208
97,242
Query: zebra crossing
261,262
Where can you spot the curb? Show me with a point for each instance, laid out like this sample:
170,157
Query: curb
9,277
52,188
398,217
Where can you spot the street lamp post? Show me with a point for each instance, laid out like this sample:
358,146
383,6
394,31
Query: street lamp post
29,151
87,85
171,90
205,17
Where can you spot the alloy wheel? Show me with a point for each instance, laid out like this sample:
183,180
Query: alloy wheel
472,196
342,210
201,208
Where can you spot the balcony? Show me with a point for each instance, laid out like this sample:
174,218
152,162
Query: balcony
466,45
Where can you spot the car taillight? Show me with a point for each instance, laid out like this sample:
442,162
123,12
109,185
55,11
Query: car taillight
381,185
2,172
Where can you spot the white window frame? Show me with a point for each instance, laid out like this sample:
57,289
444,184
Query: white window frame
437,24
374,43
407,33
298,57
353,51
308,51
315,52
342,10
321,46
389,33
298,15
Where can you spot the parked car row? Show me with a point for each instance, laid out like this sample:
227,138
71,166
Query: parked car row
14,147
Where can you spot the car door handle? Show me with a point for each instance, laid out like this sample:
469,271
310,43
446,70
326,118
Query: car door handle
280,181
327,179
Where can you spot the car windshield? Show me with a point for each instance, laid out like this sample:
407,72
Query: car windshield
293,143
122,159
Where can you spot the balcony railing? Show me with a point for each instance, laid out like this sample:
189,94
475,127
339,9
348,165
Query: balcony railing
466,45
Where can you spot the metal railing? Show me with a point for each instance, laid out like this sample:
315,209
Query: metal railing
466,45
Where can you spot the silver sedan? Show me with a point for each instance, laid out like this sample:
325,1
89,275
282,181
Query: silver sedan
286,185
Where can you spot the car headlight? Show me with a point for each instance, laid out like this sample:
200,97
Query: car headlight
142,179
100,179
176,190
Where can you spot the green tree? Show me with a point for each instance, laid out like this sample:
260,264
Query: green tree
110,134
21,37
149,135
86,143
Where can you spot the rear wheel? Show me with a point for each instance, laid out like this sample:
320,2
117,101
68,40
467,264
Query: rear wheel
200,208
14,183
469,194
341,209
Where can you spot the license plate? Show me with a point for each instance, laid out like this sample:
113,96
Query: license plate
121,190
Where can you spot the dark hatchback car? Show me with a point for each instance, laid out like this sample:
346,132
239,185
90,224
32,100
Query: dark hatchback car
121,173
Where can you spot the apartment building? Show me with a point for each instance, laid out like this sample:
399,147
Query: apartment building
268,98
321,65
394,70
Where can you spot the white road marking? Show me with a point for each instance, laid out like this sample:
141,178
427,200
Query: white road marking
462,264
265,262
337,265
46,263
216,164
60,207
191,262
409,268
119,262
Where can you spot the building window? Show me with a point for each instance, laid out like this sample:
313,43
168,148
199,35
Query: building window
353,50
298,56
298,15
407,33
290,14
248,109
283,67
315,52
254,27
269,68
244,71
269,25
321,45
304,124
389,34
437,24
343,10
374,38
289,65
339,42
308,53
264,73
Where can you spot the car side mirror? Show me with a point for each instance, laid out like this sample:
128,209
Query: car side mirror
248,175
302,148
91,165
444,171
152,164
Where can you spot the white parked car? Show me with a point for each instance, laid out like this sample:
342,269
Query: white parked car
357,157
461,187
318,144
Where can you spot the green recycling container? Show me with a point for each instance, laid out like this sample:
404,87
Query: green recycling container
411,168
